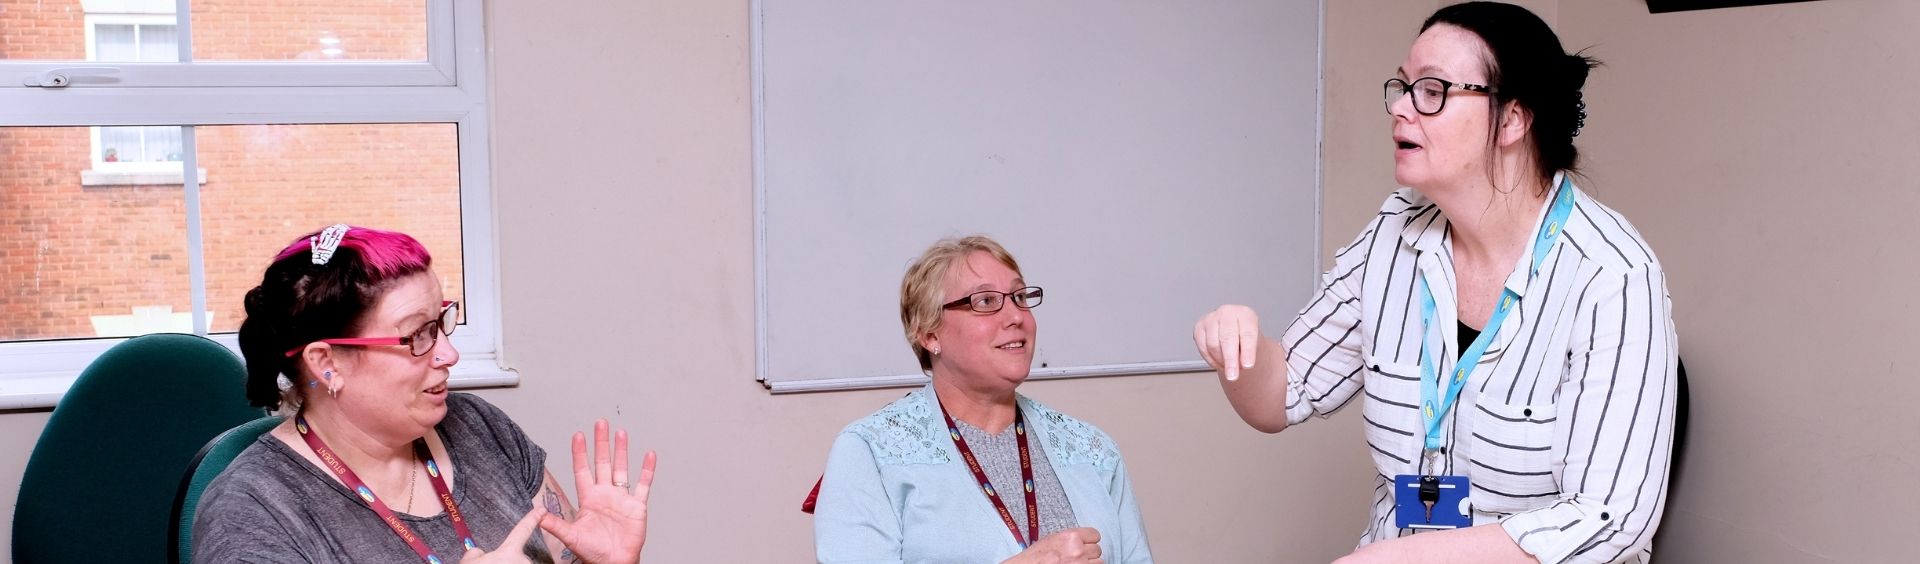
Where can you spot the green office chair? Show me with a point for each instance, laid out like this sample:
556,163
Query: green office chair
207,465
104,473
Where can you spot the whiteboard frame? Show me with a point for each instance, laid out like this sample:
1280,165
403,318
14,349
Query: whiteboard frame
757,49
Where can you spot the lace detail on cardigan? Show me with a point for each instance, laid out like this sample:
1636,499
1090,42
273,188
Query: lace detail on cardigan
1072,441
903,432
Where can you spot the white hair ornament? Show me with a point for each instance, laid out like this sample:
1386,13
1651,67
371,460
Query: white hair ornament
327,242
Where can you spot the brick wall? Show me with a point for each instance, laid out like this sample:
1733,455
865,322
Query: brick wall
68,252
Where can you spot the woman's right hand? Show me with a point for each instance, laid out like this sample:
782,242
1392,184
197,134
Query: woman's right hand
1071,546
511,550
1228,338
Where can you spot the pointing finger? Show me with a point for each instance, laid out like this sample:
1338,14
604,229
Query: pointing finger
517,538
1229,351
1249,341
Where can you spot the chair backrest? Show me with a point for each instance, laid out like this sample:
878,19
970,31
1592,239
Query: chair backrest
207,465
111,455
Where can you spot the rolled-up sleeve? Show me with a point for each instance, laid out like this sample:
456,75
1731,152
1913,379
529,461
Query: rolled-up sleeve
854,521
1323,344
1617,405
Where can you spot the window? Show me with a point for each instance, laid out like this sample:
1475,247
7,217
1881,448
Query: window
294,114
133,152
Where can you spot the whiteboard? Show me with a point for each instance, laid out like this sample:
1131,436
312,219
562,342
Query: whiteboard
1145,161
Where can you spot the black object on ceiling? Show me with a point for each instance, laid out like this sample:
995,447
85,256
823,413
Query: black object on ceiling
1661,6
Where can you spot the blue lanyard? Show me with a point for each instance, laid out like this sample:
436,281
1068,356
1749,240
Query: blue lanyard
1433,406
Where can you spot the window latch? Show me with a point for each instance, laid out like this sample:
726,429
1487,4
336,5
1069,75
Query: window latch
61,77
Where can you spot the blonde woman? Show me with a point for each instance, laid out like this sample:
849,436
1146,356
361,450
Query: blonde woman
966,469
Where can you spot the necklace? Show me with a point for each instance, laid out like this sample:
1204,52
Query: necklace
414,478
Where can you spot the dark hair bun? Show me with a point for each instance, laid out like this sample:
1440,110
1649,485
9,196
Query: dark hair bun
1528,67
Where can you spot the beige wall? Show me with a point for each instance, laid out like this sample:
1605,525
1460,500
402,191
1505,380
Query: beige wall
1769,155
1764,152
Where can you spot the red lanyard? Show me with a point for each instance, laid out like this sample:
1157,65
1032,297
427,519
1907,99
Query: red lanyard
1026,477
353,482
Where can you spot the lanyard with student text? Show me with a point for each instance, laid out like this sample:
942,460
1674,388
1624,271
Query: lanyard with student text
386,515
986,486
1434,405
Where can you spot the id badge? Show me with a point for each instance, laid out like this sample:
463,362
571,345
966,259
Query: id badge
1451,511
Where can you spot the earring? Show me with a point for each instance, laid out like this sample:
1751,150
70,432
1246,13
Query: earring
333,391
936,350
328,374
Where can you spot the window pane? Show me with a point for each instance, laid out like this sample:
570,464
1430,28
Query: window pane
316,30
115,43
122,147
269,184
85,261
157,44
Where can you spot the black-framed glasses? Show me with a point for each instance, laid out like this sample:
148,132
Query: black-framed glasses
1429,93
418,343
990,301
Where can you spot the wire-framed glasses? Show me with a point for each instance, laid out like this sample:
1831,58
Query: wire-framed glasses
418,343
990,301
1429,94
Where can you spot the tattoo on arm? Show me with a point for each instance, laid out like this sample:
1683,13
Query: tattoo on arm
556,503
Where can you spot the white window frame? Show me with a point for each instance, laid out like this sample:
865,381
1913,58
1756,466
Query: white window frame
35,374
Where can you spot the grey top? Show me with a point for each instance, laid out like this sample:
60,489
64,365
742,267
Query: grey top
999,457
272,505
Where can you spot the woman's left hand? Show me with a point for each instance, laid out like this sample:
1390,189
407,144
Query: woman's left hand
611,525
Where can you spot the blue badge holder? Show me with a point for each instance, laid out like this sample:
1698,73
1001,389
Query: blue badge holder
1451,512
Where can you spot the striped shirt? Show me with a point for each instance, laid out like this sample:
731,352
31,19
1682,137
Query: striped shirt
1564,428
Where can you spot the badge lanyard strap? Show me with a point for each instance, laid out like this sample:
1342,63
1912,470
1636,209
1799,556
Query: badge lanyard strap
1433,405
386,515
986,486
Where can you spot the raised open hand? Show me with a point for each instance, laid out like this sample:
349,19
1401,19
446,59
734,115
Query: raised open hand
611,525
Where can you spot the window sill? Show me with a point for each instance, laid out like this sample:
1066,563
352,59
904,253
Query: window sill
92,178
44,389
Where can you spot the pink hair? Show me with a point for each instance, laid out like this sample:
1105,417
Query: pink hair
385,254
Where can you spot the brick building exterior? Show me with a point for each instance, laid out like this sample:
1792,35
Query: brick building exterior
71,252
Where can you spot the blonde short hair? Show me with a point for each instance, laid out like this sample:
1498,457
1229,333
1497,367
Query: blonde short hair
923,290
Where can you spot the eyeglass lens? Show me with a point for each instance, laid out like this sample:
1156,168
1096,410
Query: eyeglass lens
990,301
1429,94
423,340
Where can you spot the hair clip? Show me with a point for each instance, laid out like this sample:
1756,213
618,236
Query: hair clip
1580,105
327,242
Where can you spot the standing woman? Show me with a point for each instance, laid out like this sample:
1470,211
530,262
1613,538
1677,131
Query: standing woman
1513,338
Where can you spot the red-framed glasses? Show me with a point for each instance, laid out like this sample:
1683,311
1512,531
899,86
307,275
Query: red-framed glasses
418,343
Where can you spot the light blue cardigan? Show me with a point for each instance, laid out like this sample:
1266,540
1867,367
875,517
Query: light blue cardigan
896,490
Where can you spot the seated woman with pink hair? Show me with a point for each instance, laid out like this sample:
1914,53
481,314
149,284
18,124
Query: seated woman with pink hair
379,462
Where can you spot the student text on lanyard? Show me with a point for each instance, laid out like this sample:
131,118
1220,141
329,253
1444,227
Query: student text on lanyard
386,515
986,486
1433,404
